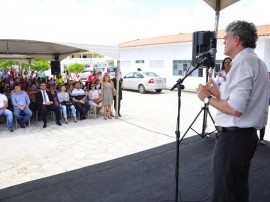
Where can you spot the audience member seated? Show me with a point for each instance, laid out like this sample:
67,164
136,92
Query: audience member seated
22,84
79,99
32,95
87,87
21,102
64,101
59,79
95,99
70,88
8,92
45,101
6,112
98,84
90,78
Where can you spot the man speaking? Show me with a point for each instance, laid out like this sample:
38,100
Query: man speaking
242,104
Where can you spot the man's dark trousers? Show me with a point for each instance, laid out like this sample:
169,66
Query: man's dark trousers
233,152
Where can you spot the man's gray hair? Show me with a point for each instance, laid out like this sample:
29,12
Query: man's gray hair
246,31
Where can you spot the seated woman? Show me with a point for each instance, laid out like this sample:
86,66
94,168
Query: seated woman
69,87
98,83
59,79
95,99
63,97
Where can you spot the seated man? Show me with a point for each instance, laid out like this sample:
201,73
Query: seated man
6,112
21,102
32,94
79,99
45,101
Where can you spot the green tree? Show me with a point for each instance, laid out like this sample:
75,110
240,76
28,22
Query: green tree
111,63
75,68
100,55
24,66
8,63
39,64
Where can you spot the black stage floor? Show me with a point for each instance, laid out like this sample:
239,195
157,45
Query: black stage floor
147,176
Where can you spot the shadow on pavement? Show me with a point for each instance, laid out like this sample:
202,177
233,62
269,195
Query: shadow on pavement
147,176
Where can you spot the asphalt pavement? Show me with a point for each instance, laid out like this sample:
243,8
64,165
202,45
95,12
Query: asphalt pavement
148,121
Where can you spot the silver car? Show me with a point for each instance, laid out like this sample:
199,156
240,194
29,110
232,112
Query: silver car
84,75
144,81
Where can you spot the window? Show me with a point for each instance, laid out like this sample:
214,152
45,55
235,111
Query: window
200,72
185,69
129,75
150,74
180,68
111,69
138,75
218,67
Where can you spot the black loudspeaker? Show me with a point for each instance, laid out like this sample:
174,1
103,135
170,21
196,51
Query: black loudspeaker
55,67
202,42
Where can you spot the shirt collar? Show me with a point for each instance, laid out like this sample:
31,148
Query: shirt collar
18,93
242,53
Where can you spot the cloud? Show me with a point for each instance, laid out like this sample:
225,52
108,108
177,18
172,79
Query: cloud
117,21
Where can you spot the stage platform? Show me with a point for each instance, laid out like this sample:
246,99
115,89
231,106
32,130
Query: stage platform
147,176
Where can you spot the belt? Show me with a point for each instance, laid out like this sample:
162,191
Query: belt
223,129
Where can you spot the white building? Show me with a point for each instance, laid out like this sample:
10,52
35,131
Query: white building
88,59
171,56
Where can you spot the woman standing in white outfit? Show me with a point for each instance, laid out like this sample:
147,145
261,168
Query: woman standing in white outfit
221,76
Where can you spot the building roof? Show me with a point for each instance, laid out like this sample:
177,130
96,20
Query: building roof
263,30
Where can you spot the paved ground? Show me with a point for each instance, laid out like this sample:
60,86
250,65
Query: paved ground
148,121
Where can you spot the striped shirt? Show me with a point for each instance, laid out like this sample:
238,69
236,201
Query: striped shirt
78,94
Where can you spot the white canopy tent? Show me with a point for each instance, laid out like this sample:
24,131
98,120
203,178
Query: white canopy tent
27,50
219,5
108,50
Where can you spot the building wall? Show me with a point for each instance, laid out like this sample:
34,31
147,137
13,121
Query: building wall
266,51
177,51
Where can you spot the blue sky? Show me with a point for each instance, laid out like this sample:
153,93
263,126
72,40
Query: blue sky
117,21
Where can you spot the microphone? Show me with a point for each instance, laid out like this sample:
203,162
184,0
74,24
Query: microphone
211,52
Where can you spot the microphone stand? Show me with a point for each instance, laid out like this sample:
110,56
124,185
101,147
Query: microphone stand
179,86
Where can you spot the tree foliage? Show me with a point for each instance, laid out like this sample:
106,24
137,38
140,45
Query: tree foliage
24,66
8,63
75,68
37,64
100,55
111,63
40,64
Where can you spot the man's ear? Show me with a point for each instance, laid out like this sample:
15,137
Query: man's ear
237,39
